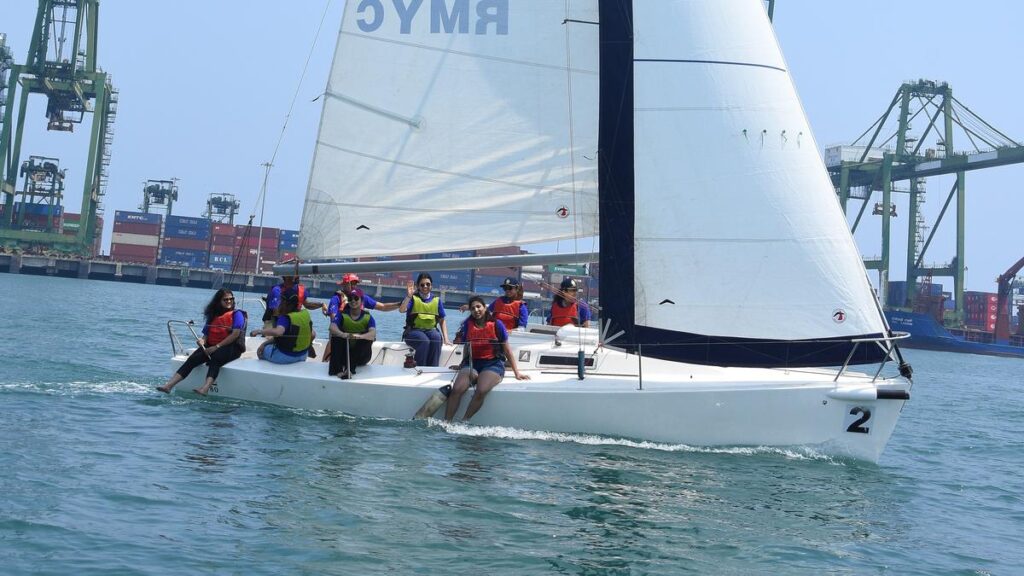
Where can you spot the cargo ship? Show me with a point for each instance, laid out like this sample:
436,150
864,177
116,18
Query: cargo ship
984,324
928,334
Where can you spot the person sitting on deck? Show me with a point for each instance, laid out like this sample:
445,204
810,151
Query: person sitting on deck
485,363
511,309
337,304
222,342
273,299
352,336
425,327
293,333
566,309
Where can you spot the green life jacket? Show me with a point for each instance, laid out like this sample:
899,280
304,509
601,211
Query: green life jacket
424,314
360,326
299,336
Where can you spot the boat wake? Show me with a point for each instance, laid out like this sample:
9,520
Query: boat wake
78,387
506,433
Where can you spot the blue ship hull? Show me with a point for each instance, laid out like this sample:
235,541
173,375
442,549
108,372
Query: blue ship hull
927,334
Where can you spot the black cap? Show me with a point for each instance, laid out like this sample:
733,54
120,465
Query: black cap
568,283
510,282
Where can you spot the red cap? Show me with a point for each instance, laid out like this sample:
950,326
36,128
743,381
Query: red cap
350,278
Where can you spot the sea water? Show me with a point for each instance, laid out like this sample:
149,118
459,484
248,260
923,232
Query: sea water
101,474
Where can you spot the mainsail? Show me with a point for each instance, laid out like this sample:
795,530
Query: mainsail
456,125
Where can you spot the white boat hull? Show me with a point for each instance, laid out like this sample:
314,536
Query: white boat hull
672,403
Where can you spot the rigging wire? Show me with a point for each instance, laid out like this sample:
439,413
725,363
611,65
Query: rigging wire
262,197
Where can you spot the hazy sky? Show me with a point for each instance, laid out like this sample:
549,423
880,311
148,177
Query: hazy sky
205,86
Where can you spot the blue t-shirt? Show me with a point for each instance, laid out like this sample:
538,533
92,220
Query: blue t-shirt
582,309
332,307
524,312
237,323
283,320
372,324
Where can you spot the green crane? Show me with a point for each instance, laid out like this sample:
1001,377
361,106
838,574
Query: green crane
61,65
911,141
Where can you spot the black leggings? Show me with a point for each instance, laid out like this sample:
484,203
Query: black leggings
340,347
220,357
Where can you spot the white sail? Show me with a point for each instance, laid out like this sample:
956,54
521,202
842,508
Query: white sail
456,125
736,221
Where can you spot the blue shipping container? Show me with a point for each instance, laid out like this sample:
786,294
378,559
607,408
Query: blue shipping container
458,254
178,256
287,246
188,222
221,259
220,266
452,280
39,209
292,235
175,231
137,217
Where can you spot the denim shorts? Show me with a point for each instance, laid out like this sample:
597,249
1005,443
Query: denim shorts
272,354
493,365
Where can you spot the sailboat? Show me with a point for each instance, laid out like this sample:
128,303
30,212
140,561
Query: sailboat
734,301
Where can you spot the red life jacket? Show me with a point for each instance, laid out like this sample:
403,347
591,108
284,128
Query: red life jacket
507,312
482,339
219,328
562,315
302,293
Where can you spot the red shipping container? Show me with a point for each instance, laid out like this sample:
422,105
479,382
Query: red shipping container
503,272
253,241
222,239
184,243
224,249
254,232
133,253
500,251
137,228
219,229
285,256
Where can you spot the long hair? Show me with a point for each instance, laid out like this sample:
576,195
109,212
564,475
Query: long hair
214,308
488,317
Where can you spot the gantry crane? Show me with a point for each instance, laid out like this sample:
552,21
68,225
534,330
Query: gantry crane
160,194
1005,283
913,140
222,208
61,65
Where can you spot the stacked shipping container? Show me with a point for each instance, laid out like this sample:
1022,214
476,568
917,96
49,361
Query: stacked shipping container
185,242
980,310
73,222
452,279
136,237
288,245
246,242
222,246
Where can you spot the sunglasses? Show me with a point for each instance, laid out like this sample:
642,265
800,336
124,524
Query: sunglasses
425,285
227,300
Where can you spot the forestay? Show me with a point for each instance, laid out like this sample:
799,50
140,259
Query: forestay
456,125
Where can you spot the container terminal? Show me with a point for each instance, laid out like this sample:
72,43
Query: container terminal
924,132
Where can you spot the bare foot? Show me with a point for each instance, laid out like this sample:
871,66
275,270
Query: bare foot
164,389
199,391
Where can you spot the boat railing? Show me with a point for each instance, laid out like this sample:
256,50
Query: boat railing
176,346
886,343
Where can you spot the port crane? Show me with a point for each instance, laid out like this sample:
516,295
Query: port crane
1004,285
912,140
62,66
